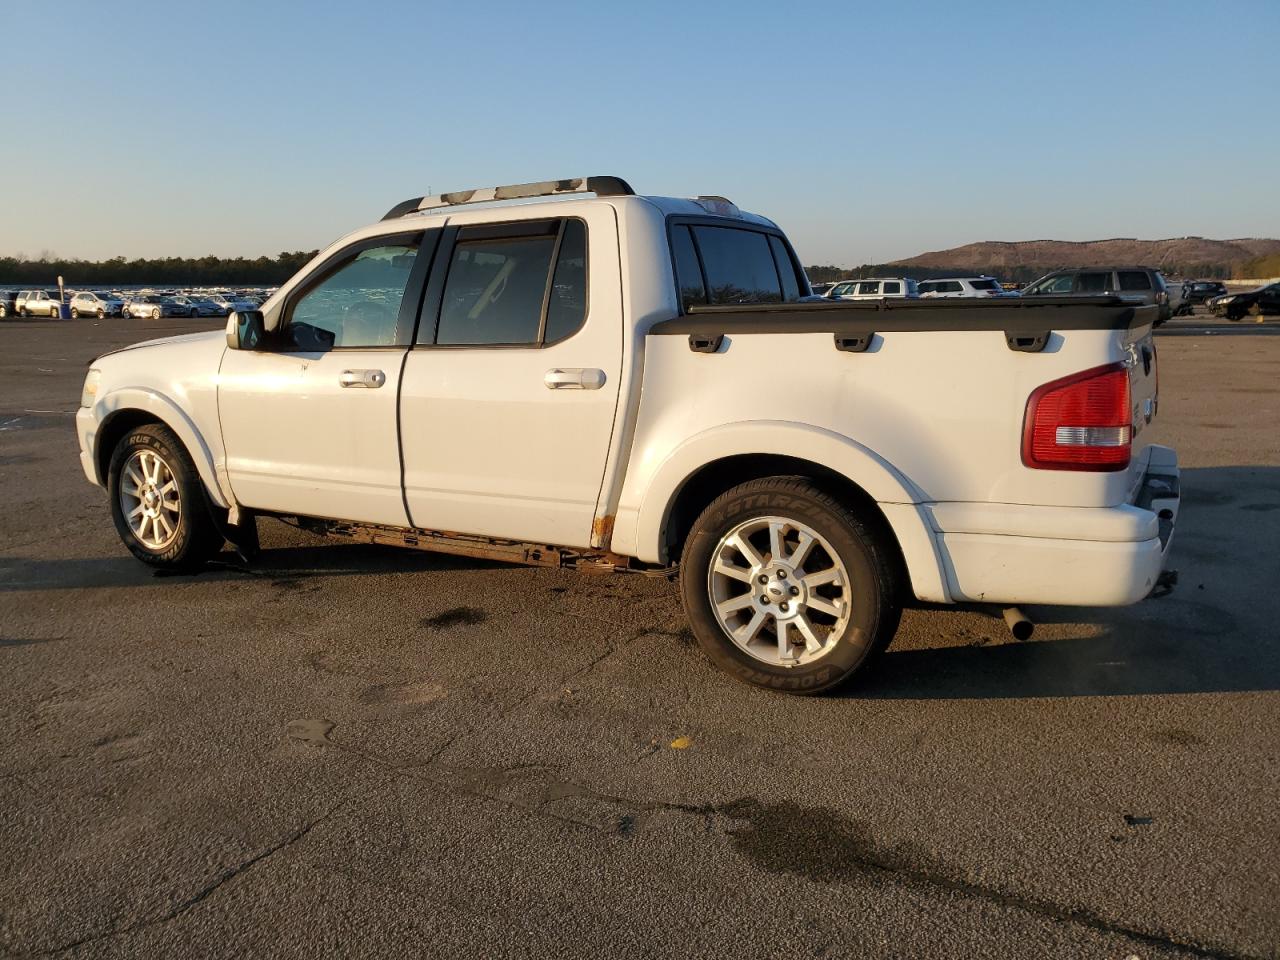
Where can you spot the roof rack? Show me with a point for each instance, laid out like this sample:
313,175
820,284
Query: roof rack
600,186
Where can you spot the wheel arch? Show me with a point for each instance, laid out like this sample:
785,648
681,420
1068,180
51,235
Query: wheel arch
129,409
707,465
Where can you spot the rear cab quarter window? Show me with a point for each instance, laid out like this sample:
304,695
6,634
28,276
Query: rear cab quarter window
726,263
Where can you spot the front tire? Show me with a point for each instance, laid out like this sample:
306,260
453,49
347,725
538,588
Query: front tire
158,503
75,314
155,314
787,588
101,313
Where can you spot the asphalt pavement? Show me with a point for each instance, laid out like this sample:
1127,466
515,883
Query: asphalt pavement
353,750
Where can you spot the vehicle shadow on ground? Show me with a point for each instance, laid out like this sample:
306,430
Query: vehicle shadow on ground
1215,632
1125,659
292,563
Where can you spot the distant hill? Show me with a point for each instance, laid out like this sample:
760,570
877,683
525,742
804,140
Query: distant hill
1181,256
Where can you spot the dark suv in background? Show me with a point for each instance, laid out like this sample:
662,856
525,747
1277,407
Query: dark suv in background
1142,282
8,303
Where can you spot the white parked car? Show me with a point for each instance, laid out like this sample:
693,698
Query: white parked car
578,383
38,303
961,287
884,288
99,305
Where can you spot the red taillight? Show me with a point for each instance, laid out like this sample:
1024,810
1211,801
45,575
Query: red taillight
1081,422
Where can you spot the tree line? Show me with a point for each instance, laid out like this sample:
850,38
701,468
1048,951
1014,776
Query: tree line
186,271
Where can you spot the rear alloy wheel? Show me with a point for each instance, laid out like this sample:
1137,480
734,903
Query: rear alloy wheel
787,588
157,502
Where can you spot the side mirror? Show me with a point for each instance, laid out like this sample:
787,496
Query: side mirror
246,330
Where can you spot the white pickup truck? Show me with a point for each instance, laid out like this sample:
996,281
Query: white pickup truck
628,383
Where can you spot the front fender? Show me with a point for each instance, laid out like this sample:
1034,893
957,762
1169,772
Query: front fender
175,418
642,517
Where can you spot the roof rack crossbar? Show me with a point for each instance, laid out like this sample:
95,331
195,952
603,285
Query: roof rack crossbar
600,186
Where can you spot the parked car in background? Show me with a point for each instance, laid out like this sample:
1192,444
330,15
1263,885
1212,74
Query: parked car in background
820,289
151,306
38,303
961,287
206,306
1255,303
184,306
1144,283
1202,291
88,304
8,302
875,288
229,303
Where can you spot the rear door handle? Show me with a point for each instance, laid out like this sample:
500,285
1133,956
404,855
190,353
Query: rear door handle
574,378
370,379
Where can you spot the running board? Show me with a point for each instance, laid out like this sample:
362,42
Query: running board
482,548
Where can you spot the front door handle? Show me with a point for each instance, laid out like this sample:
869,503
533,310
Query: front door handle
574,378
370,379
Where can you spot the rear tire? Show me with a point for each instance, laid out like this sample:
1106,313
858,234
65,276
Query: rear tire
75,314
830,586
155,314
158,502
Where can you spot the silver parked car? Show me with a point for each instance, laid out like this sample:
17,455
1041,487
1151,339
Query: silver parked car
206,306
231,303
183,306
87,304
151,305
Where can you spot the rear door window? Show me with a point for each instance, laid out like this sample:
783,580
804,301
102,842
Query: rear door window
869,288
1093,283
739,265
514,285
892,287
984,285
1134,280
495,290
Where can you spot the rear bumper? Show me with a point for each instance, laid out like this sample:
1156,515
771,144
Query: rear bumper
1072,556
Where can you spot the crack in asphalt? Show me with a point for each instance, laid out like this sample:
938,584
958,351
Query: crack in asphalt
208,890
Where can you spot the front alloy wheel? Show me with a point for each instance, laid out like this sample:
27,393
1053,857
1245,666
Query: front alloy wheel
149,500
158,504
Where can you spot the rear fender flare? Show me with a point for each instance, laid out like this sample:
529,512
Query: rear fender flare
897,496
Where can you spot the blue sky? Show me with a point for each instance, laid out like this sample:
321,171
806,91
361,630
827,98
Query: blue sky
868,132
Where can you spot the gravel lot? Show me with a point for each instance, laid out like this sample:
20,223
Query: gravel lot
356,750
